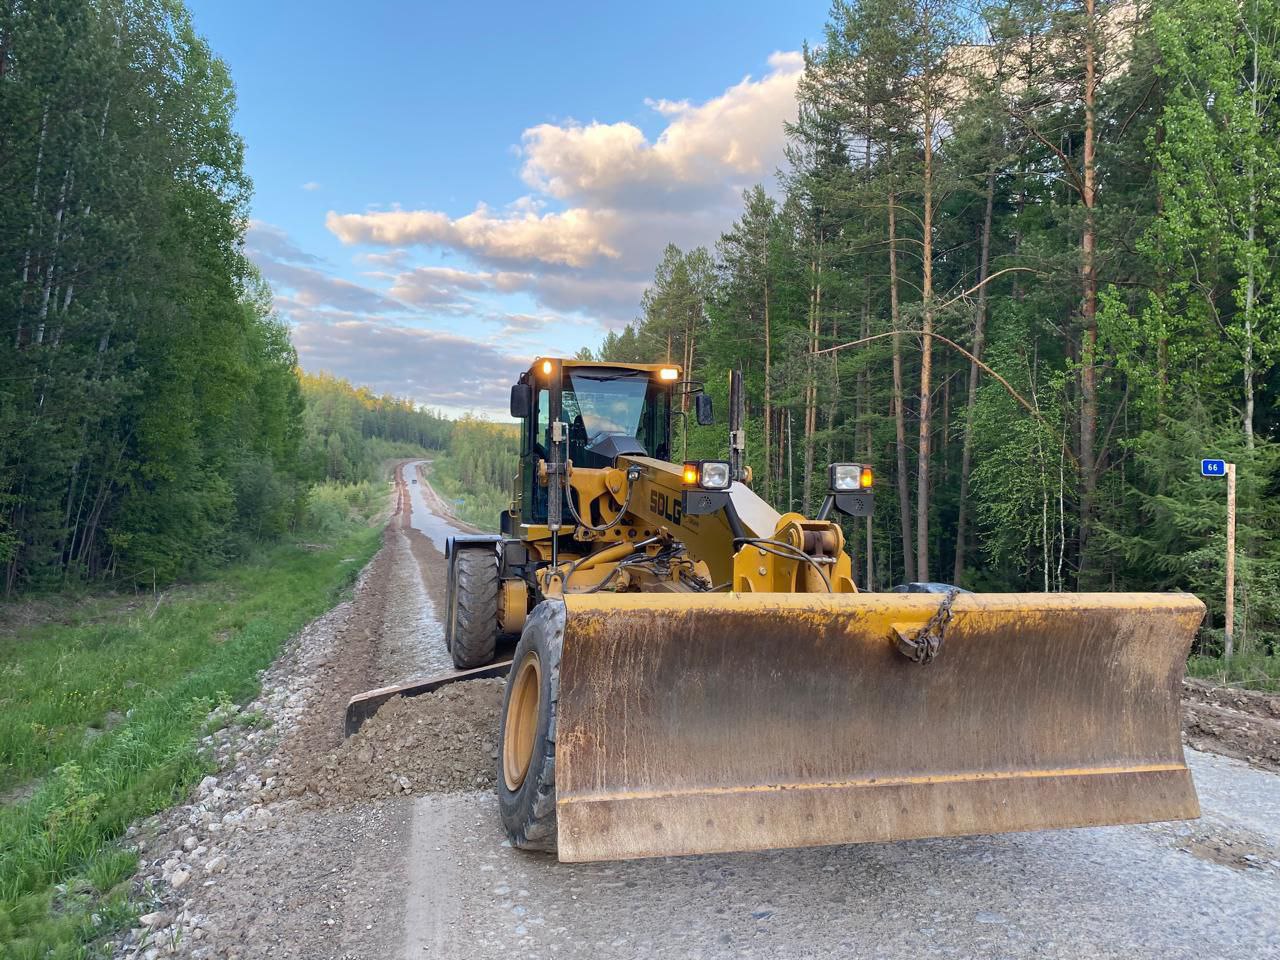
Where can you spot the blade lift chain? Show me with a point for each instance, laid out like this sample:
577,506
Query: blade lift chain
923,646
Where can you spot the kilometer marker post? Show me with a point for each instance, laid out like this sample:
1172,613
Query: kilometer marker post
1220,468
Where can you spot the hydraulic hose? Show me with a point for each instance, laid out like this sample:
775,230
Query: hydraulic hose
622,511
786,551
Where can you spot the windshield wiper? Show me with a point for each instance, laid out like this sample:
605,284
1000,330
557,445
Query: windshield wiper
608,377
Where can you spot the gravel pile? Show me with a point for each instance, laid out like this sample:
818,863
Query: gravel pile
442,742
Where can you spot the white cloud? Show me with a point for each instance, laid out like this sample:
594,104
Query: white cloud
266,241
624,196
725,144
392,258
311,186
609,298
408,284
603,201
316,288
572,238
303,275
367,335
668,108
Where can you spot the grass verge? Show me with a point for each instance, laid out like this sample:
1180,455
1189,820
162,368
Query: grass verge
1253,670
100,715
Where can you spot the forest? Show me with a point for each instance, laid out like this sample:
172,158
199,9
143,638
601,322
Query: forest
152,416
1024,261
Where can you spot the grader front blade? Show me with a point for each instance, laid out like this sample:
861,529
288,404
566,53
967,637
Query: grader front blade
708,722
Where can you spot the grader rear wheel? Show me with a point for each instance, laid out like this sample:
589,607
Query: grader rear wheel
471,628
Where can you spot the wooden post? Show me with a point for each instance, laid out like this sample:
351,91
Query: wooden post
1229,628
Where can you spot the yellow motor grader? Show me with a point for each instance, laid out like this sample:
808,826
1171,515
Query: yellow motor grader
696,672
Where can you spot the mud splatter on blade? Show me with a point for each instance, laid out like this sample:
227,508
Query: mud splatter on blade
704,723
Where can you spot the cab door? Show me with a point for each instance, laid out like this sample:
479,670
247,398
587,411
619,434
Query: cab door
533,449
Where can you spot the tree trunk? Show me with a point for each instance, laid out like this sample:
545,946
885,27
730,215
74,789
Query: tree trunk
926,359
31,230
1162,283
865,396
806,442
768,378
811,391
689,348
51,267
979,339
791,456
864,418
1250,284
833,398
899,418
1089,304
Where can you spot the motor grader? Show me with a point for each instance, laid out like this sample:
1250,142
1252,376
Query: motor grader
695,672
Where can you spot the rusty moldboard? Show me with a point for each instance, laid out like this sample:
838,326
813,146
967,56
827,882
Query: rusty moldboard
692,724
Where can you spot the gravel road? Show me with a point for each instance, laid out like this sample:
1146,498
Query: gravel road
303,847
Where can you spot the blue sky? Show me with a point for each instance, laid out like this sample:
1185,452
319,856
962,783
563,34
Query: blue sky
443,192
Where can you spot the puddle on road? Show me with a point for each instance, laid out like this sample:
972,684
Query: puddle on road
412,633
435,528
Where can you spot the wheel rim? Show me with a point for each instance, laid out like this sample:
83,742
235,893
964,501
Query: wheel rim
522,722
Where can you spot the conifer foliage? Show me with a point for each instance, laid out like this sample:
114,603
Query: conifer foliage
1025,262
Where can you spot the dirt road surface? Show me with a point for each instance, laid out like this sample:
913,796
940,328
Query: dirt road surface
389,845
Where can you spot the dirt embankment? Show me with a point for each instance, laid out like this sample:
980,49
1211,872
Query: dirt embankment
353,665
1244,724
391,636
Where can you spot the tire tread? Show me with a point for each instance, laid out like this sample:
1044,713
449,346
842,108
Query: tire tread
530,817
475,624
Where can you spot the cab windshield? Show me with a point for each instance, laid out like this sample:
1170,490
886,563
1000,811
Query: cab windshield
602,404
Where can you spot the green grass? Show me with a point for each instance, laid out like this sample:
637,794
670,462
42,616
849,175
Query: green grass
100,715
1250,670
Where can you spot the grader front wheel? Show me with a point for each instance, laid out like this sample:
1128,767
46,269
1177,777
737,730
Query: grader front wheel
527,761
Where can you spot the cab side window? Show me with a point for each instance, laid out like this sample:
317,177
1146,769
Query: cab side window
534,495
541,436
654,428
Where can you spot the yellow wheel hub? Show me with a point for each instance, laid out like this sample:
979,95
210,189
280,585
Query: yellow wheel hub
522,722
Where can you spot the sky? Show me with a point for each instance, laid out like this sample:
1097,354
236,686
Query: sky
443,192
